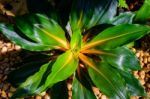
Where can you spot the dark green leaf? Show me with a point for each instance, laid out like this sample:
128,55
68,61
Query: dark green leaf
26,68
121,58
123,18
9,32
83,77
31,85
42,29
108,80
144,13
133,85
117,36
88,13
80,92
59,90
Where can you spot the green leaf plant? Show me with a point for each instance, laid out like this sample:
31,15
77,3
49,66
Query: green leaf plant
91,50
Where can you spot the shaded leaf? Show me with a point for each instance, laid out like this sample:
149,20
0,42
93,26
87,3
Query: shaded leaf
26,68
83,78
133,85
123,18
88,13
59,90
80,92
106,78
121,58
31,85
42,29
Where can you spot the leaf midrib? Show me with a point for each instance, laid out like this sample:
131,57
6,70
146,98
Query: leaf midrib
68,60
92,65
93,44
59,40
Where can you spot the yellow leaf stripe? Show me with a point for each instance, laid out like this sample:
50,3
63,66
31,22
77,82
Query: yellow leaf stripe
92,51
90,63
53,75
96,43
61,41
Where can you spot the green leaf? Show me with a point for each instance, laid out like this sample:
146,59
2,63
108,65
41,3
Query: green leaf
118,36
64,67
121,58
88,13
123,18
133,85
108,80
122,3
76,40
59,90
31,85
26,68
42,29
9,31
144,13
80,92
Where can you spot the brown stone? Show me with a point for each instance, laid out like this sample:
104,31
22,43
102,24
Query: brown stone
103,97
3,94
38,97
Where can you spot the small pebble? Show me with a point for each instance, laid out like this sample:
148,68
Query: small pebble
148,59
5,87
3,94
145,60
47,96
10,94
142,81
70,93
17,48
4,78
43,93
69,86
142,74
138,54
4,50
38,97
95,90
103,97
12,89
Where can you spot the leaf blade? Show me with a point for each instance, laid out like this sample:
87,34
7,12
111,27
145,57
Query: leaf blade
121,58
31,85
80,92
42,29
88,13
108,81
106,78
9,31
134,87
117,36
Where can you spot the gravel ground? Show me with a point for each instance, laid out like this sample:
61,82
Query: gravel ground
11,54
